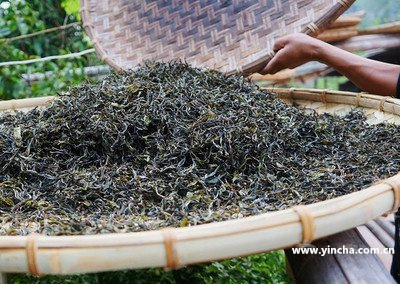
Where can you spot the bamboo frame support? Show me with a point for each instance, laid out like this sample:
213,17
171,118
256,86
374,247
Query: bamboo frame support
175,247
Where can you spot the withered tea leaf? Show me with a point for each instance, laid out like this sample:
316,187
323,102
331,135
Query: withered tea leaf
171,145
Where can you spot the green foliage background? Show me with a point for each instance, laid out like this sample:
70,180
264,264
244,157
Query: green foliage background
263,268
377,11
23,17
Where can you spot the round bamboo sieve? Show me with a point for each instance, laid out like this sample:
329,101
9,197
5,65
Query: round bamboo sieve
231,36
175,247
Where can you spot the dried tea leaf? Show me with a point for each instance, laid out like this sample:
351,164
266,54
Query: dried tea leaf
171,145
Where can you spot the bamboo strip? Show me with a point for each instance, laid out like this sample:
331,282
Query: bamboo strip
25,103
87,71
372,241
281,75
63,27
208,242
326,20
390,105
48,58
338,34
380,234
387,226
346,21
388,28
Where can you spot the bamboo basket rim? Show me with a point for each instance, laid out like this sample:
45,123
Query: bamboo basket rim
175,247
255,59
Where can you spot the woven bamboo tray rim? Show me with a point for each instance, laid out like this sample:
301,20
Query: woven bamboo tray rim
175,247
115,36
385,104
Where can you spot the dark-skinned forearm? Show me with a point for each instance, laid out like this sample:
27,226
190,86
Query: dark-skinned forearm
369,75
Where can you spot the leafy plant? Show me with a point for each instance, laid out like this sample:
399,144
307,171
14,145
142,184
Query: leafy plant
71,7
263,268
25,17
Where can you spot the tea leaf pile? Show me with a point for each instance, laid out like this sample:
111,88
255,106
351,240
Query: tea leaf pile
171,145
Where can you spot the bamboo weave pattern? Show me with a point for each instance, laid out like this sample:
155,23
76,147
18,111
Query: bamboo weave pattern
221,34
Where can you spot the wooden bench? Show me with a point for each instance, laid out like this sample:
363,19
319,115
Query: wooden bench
348,268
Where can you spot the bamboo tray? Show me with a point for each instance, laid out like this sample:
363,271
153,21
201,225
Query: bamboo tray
231,36
176,247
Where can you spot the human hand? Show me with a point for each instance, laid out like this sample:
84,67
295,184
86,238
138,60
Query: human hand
292,51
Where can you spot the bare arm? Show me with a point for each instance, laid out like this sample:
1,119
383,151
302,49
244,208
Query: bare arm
369,75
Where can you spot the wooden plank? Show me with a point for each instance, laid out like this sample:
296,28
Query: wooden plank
309,268
390,218
387,226
339,268
381,234
359,268
373,242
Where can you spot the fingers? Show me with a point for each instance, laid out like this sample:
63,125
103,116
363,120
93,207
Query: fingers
275,64
280,43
